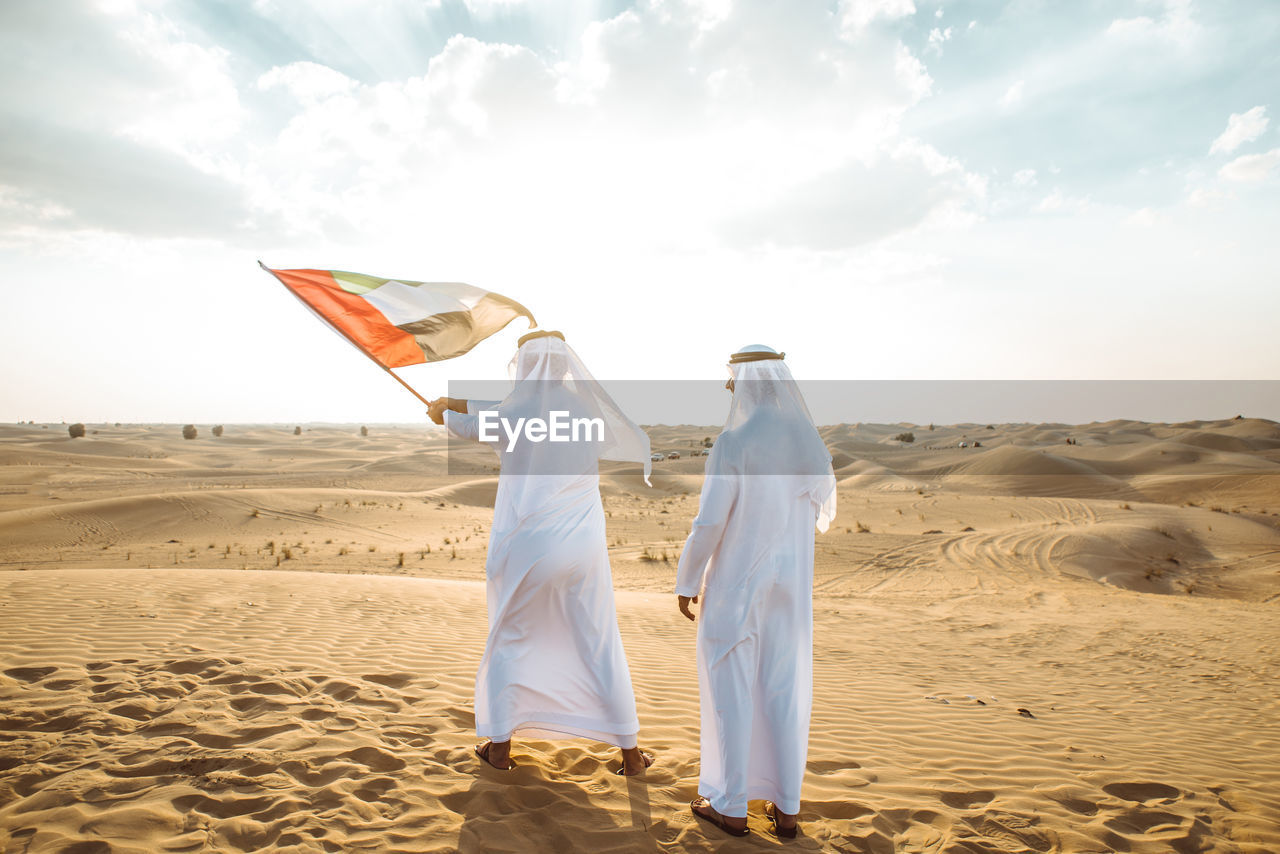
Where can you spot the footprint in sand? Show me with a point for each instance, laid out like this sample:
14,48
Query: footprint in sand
965,800
1013,832
29,674
374,759
1143,821
389,680
1142,792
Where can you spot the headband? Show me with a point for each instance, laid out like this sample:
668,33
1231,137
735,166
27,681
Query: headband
541,333
754,357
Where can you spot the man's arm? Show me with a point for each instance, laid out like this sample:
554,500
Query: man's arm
719,494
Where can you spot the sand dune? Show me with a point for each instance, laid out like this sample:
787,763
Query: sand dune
267,642
242,711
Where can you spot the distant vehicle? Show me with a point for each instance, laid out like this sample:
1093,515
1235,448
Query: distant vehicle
674,455
656,458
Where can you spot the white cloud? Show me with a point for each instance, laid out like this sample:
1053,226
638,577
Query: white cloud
668,118
1241,128
1144,218
19,206
309,82
1058,202
860,203
191,102
1174,23
1025,178
857,15
1251,168
489,8
131,130
1205,198
1013,95
938,37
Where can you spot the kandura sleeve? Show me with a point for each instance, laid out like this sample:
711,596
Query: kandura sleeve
463,426
467,426
719,495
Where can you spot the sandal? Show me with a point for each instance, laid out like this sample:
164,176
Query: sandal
715,818
482,750
771,813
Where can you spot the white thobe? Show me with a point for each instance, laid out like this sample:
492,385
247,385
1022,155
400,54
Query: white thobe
553,662
750,557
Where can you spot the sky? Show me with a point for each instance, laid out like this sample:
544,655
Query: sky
884,189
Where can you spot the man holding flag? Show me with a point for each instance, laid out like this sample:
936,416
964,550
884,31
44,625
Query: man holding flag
553,662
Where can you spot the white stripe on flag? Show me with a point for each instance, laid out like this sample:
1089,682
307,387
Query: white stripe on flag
402,303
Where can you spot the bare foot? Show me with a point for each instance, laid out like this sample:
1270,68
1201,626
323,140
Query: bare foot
634,761
497,754
734,826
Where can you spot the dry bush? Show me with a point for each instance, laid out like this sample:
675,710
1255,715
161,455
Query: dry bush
189,431
217,431
76,430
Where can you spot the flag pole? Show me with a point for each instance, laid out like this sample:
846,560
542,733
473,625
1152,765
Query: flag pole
351,340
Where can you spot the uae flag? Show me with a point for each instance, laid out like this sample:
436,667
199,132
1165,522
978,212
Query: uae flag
398,322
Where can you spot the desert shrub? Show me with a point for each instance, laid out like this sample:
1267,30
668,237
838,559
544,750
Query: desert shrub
297,431
905,437
76,430
189,431
364,431
217,431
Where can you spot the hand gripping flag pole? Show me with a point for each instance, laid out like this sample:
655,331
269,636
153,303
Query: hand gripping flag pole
398,322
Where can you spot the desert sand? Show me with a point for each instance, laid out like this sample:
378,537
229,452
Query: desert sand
266,642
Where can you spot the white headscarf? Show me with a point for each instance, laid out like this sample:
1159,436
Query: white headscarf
768,412
549,375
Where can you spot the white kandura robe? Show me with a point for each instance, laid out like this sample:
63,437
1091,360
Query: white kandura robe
752,546
553,662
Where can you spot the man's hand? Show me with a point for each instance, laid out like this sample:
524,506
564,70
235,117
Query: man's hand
684,606
436,408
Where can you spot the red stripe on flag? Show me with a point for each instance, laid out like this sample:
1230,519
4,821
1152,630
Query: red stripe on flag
354,317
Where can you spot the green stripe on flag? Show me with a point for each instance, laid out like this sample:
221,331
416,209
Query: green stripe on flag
360,284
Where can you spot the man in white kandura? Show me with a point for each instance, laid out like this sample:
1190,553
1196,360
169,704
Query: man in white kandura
750,559
553,662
